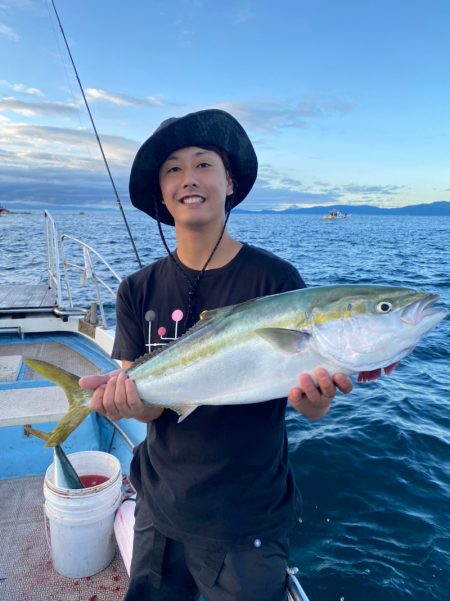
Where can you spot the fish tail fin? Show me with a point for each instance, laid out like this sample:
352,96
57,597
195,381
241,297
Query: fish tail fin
77,397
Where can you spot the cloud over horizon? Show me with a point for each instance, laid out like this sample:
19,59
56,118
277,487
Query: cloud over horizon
272,116
47,163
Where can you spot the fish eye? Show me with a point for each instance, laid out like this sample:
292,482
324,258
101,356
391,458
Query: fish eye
384,307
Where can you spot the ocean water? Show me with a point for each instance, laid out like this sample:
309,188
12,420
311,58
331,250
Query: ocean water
375,472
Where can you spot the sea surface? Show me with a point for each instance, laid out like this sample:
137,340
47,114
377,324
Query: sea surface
375,472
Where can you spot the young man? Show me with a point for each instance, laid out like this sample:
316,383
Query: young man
216,497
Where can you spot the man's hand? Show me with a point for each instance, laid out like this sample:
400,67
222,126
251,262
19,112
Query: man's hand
115,395
314,400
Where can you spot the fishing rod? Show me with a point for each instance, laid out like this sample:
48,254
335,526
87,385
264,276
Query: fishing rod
98,138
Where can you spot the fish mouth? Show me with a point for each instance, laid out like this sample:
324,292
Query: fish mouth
421,310
374,374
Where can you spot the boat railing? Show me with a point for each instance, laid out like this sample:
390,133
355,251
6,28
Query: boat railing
53,271
294,588
76,256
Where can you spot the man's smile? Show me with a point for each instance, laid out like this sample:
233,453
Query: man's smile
190,200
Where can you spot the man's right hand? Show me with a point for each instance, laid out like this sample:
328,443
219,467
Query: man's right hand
115,395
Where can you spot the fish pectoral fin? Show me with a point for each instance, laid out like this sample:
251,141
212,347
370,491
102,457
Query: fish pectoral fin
184,411
289,342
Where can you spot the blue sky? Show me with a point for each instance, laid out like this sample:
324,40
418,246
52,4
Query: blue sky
346,101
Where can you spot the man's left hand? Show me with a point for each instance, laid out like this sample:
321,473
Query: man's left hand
314,400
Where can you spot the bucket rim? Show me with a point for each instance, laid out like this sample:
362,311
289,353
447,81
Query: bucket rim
90,490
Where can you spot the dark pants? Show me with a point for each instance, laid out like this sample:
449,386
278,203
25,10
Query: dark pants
166,570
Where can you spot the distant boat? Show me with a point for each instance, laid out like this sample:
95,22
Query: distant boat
5,211
334,214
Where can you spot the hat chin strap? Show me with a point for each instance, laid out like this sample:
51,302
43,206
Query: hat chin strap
193,285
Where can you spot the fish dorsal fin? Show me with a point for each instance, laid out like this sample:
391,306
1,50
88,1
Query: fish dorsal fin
210,314
143,358
289,342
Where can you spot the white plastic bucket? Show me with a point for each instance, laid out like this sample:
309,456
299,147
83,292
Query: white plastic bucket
81,521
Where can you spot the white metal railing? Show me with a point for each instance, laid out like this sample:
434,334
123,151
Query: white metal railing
76,256
53,272
294,588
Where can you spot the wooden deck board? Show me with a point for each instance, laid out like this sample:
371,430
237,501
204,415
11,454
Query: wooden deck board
26,296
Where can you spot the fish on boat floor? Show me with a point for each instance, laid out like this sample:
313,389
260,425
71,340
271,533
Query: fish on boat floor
26,570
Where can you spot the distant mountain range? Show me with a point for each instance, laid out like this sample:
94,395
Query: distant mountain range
437,209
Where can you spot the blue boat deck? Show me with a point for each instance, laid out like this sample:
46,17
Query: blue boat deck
27,398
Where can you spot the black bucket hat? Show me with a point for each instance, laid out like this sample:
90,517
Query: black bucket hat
212,127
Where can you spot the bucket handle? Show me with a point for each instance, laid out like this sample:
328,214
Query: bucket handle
47,530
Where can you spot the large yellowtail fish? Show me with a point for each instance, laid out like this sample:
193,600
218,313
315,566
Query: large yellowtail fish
254,351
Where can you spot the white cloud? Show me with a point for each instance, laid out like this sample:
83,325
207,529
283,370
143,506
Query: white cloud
9,32
20,87
272,116
30,109
36,143
95,94
273,184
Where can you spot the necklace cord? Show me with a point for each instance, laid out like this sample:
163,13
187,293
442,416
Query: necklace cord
193,284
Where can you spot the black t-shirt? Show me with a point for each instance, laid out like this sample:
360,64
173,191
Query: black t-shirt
221,477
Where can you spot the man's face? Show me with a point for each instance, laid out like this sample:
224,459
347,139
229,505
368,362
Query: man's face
194,185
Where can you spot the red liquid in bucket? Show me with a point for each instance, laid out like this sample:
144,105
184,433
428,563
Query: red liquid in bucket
89,480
